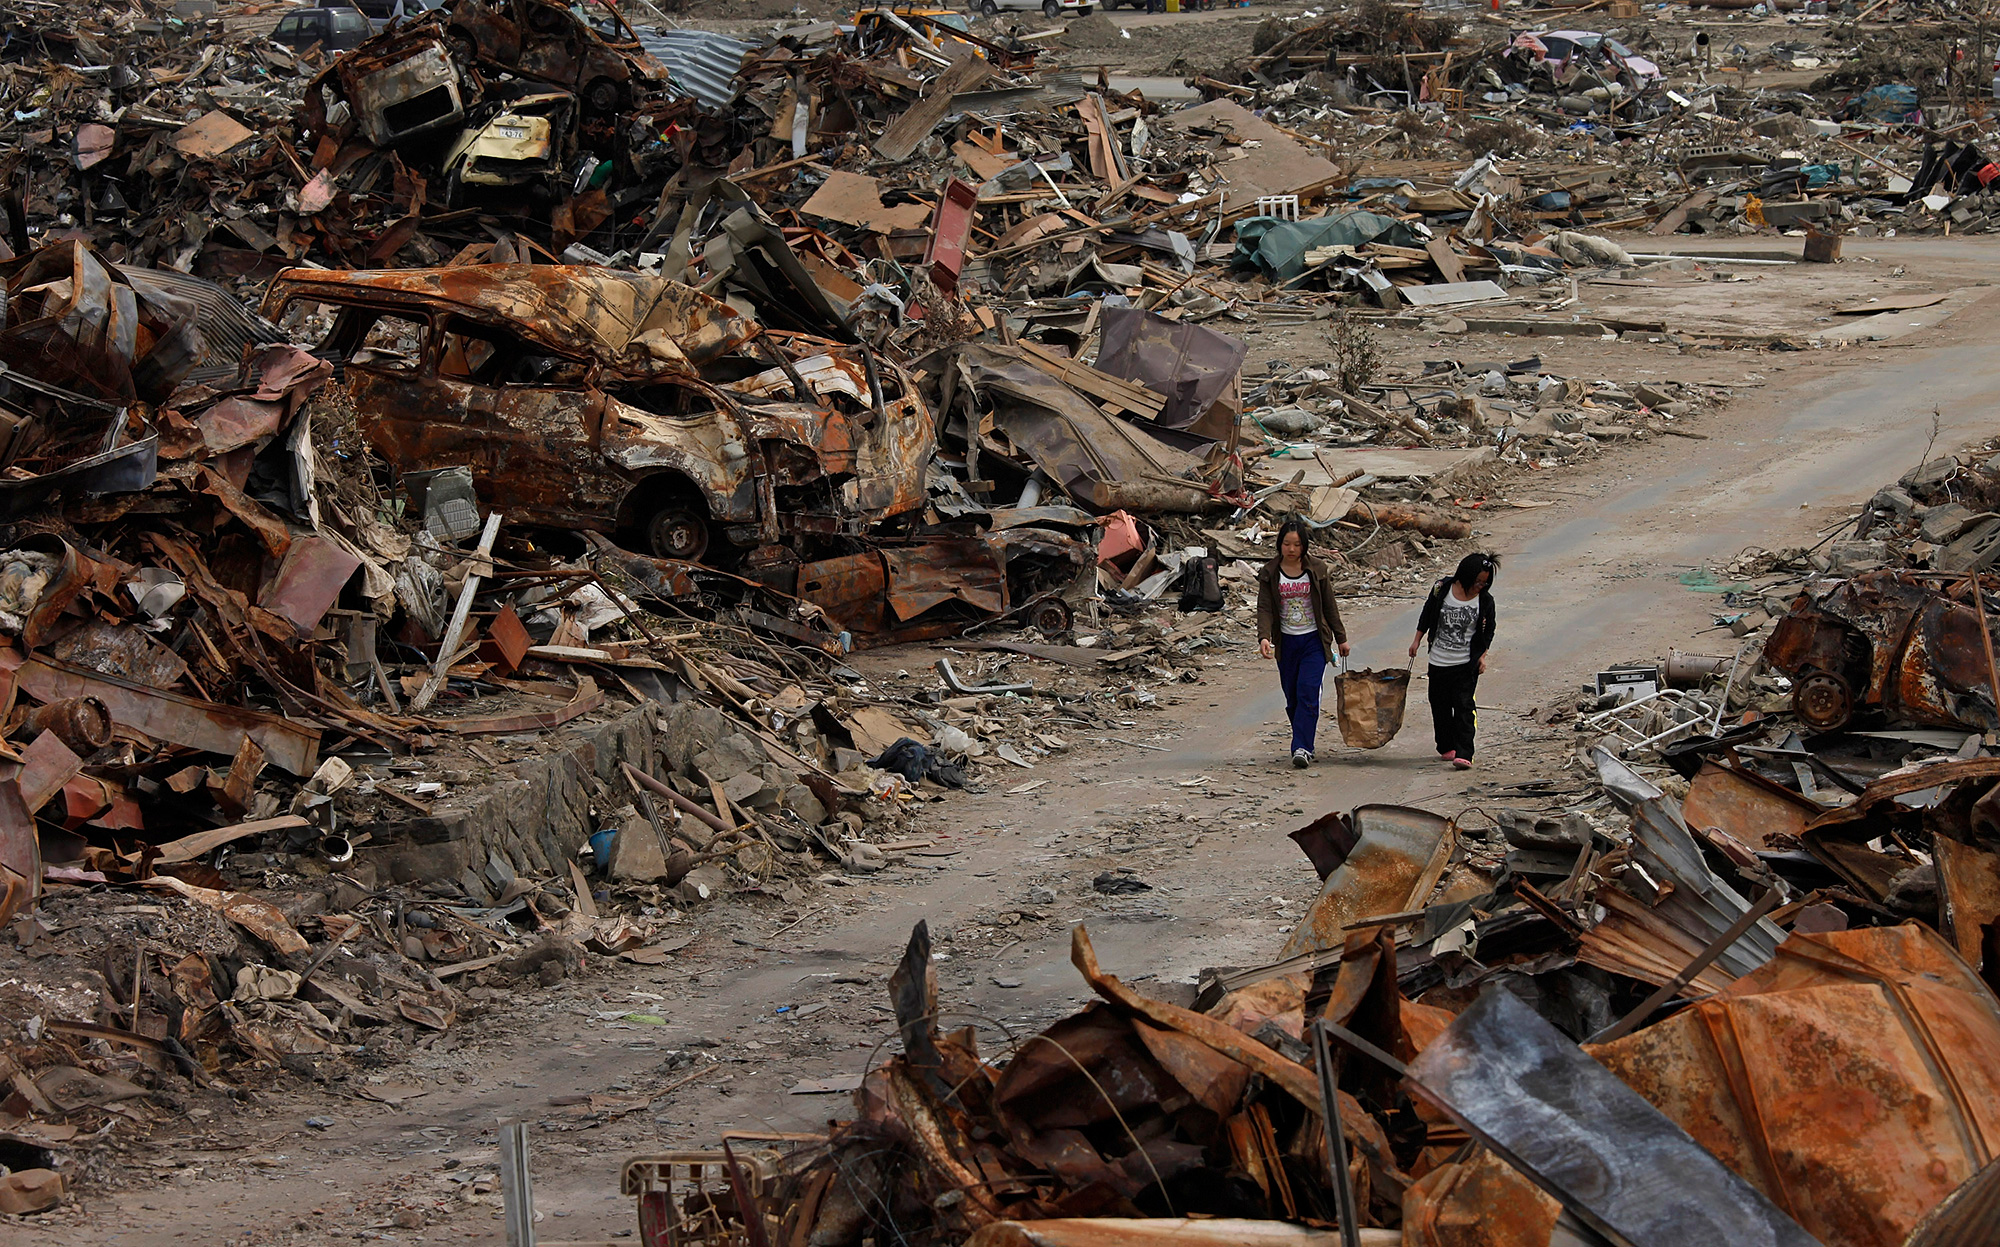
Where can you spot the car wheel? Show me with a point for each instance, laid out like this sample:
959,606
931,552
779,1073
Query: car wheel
601,96
1051,8
678,531
990,8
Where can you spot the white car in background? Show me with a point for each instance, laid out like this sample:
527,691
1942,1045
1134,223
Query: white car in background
1049,8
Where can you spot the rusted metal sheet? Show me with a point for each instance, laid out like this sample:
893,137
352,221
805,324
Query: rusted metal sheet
1886,644
1479,1202
1889,787
1968,893
1971,1214
208,726
1854,1080
1167,1232
1398,855
20,849
1748,807
1614,1160
308,582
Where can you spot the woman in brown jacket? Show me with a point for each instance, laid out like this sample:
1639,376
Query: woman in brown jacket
1298,623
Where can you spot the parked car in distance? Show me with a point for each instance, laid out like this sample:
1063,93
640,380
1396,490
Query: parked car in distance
336,30
1049,8
380,12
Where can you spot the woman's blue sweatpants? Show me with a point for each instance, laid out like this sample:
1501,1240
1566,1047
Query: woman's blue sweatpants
1301,669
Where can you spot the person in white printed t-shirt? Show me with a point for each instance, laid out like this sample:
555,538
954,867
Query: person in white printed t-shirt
1299,624
1459,617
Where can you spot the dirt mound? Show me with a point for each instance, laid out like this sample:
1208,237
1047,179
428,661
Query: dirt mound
1095,31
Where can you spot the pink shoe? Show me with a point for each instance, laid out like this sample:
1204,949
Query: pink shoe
1463,764
1448,755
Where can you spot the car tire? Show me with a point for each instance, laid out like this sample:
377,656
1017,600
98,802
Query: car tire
1052,9
602,96
990,8
678,530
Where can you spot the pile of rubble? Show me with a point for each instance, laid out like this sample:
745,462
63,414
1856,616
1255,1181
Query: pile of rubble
482,602
1492,1026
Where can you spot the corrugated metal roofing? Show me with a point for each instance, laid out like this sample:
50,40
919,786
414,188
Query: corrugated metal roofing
699,63
227,327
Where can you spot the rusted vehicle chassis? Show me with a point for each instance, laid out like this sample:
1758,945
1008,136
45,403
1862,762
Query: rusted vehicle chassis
614,402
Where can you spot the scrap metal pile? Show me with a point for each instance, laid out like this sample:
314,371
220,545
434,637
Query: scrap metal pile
1459,1049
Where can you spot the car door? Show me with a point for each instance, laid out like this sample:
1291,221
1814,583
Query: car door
289,31
528,421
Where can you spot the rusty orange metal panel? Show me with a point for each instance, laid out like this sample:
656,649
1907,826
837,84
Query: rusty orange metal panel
1398,856
1747,806
1854,1079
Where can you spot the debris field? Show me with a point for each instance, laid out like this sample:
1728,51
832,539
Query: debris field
489,491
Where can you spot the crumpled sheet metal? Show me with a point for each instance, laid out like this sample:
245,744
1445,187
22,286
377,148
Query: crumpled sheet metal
1854,1080
1399,853
1643,940
1190,365
1481,1201
1168,1232
1747,806
1899,645
637,326
882,590
1613,1159
1971,1214
1103,463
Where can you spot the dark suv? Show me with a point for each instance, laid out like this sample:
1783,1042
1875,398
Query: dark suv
336,30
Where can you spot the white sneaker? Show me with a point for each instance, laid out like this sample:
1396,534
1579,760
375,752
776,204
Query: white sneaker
1302,758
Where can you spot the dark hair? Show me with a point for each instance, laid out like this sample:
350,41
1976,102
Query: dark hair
1471,565
1290,526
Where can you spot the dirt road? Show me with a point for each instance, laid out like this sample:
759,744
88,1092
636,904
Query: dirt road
1585,583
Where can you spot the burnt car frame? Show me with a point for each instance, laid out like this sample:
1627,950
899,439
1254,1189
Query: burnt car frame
614,402
1894,647
543,42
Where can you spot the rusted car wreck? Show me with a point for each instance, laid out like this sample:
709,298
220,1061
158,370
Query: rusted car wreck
1894,647
615,402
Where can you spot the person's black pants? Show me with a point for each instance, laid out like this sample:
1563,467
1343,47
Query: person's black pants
1452,690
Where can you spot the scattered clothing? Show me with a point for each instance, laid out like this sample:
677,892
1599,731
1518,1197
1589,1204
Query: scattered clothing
917,763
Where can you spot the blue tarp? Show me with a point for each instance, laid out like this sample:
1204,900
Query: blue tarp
1279,247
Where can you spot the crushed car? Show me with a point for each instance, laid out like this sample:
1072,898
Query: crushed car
620,403
547,43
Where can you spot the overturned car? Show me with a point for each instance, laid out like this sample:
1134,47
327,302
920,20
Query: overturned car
615,402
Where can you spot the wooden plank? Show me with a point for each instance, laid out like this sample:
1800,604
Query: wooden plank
448,650
187,848
919,119
1446,260
1099,385
1678,215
